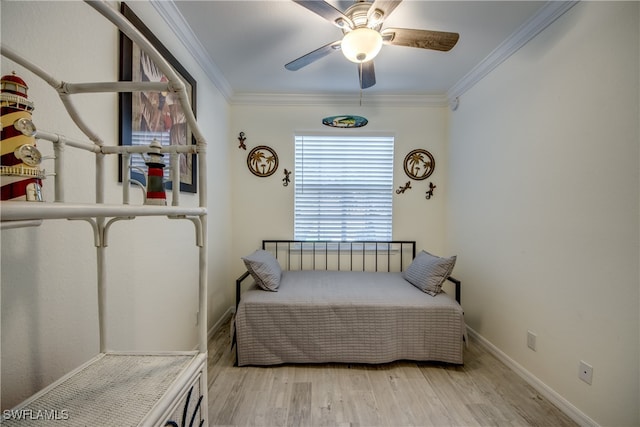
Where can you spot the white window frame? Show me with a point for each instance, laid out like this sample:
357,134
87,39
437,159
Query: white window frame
335,204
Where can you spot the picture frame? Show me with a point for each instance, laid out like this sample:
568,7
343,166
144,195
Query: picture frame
148,115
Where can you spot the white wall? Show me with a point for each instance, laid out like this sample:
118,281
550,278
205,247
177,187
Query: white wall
543,207
49,313
540,198
263,207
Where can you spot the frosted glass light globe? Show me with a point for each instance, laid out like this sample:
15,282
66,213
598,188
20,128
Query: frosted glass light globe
361,44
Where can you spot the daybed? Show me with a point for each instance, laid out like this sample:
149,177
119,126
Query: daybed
313,311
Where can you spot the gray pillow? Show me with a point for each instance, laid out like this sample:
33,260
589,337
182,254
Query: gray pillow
264,268
428,272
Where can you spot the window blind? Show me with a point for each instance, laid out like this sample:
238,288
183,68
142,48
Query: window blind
343,187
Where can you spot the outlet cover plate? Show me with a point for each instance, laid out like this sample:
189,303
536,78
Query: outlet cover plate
585,372
531,340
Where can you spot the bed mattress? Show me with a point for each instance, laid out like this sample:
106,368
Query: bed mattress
349,317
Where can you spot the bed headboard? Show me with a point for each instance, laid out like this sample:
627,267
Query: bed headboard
392,256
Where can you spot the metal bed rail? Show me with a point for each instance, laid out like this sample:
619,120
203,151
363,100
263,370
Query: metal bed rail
393,255
294,253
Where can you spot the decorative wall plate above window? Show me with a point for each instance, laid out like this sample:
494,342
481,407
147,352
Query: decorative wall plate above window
345,121
419,164
262,161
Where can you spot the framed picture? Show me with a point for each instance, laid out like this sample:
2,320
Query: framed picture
148,115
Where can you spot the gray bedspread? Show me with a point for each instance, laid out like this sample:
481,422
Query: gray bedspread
350,317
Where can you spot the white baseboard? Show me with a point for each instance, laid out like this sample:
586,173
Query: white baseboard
220,322
213,329
563,404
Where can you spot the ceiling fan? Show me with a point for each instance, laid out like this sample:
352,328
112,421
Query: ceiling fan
363,38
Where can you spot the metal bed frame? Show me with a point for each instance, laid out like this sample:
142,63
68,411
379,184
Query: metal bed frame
296,252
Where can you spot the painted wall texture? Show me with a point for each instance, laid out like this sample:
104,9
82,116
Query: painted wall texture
543,207
538,193
263,207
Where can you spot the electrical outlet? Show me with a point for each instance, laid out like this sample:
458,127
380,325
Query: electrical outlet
585,372
531,340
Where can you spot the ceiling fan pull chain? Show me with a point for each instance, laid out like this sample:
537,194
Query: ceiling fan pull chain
360,68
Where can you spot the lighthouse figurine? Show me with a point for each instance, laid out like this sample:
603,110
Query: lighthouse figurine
155,175
20,171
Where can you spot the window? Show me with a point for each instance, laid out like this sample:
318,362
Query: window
343,187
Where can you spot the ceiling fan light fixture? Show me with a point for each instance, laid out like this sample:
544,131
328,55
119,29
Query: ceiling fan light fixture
375,18
342,23
361,45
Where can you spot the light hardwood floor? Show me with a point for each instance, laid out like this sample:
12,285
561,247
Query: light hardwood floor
483,392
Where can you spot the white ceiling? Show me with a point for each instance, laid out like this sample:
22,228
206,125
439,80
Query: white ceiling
247,43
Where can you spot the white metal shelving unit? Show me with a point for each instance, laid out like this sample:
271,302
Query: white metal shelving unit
119,388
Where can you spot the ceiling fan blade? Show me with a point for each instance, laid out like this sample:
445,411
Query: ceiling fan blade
310,57
367,74
424,39
326,11
385,6
343,4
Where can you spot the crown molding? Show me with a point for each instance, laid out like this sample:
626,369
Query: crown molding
547,14
176,22
304,99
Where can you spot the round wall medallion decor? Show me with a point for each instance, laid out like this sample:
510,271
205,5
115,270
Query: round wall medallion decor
262,161
345,121
419,164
